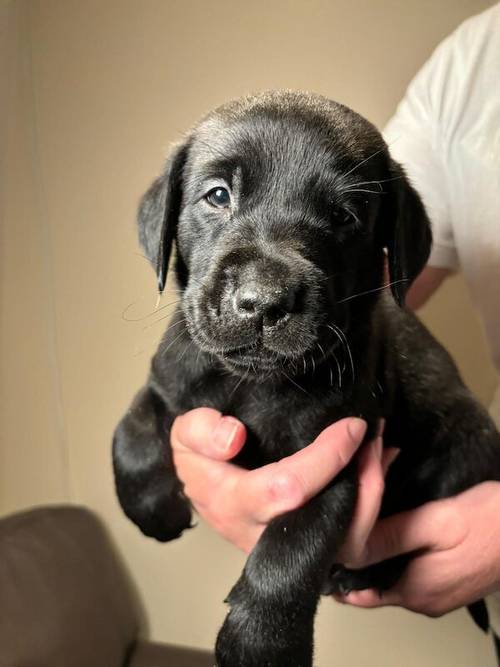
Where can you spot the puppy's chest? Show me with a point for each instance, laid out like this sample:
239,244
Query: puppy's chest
281,421
281,418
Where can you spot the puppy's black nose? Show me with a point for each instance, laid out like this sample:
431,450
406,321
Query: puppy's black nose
265,304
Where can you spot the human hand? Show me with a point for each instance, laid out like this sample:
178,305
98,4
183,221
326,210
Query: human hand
239,503
457,541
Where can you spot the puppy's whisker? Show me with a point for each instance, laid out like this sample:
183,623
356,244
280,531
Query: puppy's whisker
186,348
371,192
164,352
380,150
161,319
347,347
139,254
338,338
339,372
141,319
354,186
338,273
375,289
241,379
167,305
295,383
382,180
345,344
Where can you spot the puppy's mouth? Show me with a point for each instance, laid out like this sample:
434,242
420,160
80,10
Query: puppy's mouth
252,355
255,357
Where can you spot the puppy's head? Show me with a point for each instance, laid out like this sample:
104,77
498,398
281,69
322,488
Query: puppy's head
282,206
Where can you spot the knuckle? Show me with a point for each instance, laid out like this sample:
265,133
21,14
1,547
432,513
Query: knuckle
449,525
442,514
286,485
343,457
344,452
432,610
417,603
175,433
378,486
427,605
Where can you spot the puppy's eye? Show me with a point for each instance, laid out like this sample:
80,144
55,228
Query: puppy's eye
219,197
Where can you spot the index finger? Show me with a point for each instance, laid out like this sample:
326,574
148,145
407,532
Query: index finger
437,525
279,487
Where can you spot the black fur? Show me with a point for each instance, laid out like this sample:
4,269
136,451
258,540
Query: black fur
283,323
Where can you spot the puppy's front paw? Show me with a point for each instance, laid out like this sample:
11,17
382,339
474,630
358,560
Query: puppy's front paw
381,577
159,514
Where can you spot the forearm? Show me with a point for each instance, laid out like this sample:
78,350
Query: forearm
425,285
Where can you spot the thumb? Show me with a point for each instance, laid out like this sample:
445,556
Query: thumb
207,432
423,528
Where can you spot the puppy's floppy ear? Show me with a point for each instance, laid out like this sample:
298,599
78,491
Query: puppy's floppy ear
159,210
406,232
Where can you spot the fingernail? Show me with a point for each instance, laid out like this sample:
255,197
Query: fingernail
225,432
380,427
356,428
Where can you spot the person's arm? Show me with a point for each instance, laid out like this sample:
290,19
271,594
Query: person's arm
425,285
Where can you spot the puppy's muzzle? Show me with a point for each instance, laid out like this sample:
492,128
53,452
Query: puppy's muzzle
257,308
262,299
265,305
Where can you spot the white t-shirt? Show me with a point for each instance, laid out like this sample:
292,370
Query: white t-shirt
446,133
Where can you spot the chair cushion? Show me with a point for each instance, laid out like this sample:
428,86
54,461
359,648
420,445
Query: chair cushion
65,599
148,654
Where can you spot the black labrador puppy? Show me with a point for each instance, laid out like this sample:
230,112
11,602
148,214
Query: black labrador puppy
284,207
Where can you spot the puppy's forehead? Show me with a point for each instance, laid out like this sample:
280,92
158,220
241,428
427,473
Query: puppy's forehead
281,127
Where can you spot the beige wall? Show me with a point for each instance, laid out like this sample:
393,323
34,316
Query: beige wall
96,91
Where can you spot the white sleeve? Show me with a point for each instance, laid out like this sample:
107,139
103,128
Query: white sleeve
413,139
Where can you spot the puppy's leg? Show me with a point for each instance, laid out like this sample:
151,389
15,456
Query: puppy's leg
273,603
146,483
